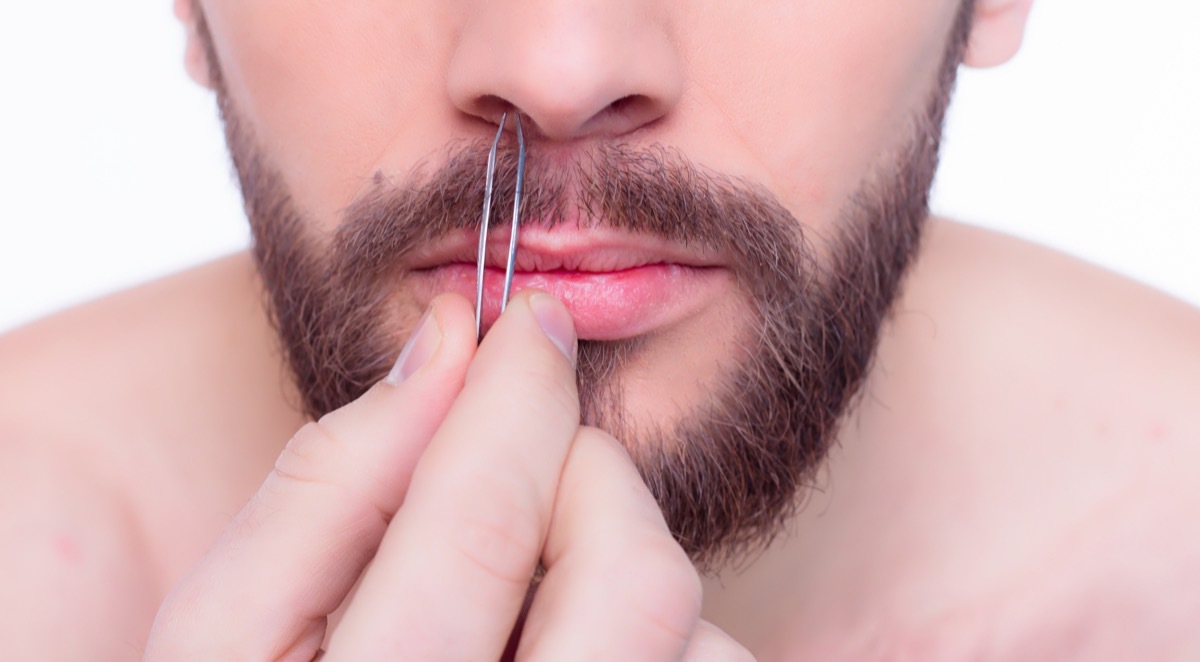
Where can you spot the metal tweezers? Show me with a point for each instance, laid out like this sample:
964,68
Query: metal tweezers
487,213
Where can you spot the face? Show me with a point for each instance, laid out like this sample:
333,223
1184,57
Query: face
726,195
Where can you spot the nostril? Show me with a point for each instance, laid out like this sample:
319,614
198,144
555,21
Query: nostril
491,107
632,108
622,104
614,118
623,114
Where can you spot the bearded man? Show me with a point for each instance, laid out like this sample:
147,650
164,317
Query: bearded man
749,400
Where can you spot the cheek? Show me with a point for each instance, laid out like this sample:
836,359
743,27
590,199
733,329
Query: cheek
327,86
822,92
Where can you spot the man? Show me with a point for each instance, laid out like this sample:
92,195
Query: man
874,434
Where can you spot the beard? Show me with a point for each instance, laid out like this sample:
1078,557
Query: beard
729,469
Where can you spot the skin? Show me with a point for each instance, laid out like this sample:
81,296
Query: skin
1014,485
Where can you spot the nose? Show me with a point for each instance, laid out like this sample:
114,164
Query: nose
574,68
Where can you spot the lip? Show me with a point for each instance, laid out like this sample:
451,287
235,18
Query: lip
588,251
616,285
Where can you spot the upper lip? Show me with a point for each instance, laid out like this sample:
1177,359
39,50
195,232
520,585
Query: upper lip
595,250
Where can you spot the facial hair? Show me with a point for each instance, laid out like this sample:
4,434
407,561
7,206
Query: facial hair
728,474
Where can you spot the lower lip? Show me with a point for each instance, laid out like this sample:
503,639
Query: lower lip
605,306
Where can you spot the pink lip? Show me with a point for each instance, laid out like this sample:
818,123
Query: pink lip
615,285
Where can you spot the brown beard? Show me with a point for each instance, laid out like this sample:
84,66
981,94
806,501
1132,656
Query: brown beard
728,475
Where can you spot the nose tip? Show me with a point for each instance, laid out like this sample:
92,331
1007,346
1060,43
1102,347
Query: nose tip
572,69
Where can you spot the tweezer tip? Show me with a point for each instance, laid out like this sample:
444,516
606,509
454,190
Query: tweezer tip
486,219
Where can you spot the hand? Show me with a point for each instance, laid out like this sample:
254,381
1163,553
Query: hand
452,481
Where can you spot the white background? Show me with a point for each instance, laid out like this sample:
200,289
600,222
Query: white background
113,170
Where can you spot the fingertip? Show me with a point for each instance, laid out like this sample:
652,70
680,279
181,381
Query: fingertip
444,337
552,318
419,350
556,323
456,316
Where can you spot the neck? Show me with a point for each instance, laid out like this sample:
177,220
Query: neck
805,594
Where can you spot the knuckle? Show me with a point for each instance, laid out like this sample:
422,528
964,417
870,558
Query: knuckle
711,644
530,391
500,533
722,651
546,385
735,652
316,457
306,457
666,589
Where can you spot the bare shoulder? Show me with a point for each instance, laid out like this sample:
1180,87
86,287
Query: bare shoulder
1038,333
121,376
78,585
115,455
1033,422
109,354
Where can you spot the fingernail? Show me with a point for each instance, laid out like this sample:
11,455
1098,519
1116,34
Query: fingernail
420,348
556,322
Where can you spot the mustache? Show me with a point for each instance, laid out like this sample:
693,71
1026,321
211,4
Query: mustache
650,190
333,298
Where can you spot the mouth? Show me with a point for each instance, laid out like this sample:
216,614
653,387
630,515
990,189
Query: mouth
616,285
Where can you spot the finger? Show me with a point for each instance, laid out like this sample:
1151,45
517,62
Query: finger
290,556
617,584
453,569
710,644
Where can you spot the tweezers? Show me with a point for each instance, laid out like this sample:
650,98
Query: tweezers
485,221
